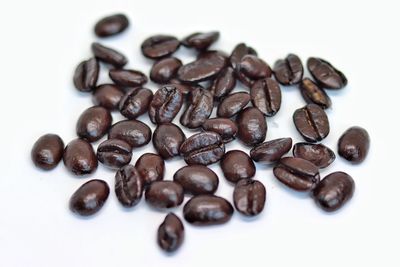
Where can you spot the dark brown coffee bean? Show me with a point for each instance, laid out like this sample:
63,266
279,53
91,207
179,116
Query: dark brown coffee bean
237,165
114,153
298,174
167,139
266,96
79,157
289,71
313,94
129,186
134,132
86,74
200,40
109,55
320,155
111,25
252,126
164,194
233,104
151,168
224,83
128,78
197,180
135,102
271,151
108,96
170,234
202,148
201,104
159,46
47,151
239,52
251,69
325,74
249,197
166,103
89,198
354,144
206,210
226,128
165,69
184,87
311,122
93,123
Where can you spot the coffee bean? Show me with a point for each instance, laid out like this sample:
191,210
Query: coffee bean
128,78
79,157
249,197
354,144
239,52
164,194
289,71
226,128
111,25
297,173
170,234
224,83
135,102
166,103
320,155
252,126
165,69
237,165
47,151
167,139
311,122
109,55
89,198
159,46
200,40
114,153
134,132
271,151
325,74
184,87
313,94
201,104
202,148
93,123
151,168
251,69
206,210
108,96
233,104
129,186
197,180
86,74
266,96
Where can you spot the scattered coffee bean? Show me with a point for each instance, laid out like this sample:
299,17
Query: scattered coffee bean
197,180
200,40
354,144
79,157
325,74
159,46
237,165
249,197
108,96
128,78
289,71
313,94
167,139
151,168
114,153
135,102
164,194
134,132
320,155
200,106
93,123
165,69
166,103
226,128
47,151
252,126
108,55
239,52
311,122
128,186
111,25
170,234
271,151
224,83
86,74
233,104
266,96
251,69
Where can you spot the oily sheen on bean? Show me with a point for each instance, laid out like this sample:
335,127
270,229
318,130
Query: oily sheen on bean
325,74
86,75
108,96
114,153
197,180
266,96
166,103
164,194
224,83
165,69
354,144
271,151
252,126
128,78
289,71
47,151
200,106
200,40
109,55
111,25
79,157
237,165
170,234
312,123
134,132
312,93
129,186
151,167
233,104
249,197
226,128
320,155
167,140
135,102
93,123
159,46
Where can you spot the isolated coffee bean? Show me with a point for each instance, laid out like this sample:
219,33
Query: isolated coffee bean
271,151
89,198
129,186
93,123
111,25
289,71
134,132
325,74
165,69
233,104
237,165
108,96
266,96
79,157
151,168
224,83
47,151
239,52
320,155
114,153
313,94
226,128
251,68
128,78
297,173
200,106
249,197
197,180
135,102
167,139
354,144
170,233
252,126
166,103
109,55
164,194
159,46
200,40
86,75
311,122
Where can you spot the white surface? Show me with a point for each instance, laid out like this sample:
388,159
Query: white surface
43,41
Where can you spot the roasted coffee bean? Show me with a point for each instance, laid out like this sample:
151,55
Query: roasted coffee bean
202,148
297,173
114,153
159,46
252,126
354,144
151,168
226,128
111,25
313,94
266,96
289,71
47,151
86,74
249,197
93,123
311,122
109,55
134,132
129,186
170,234
325,74
167,139
233,104
271,151
251,69
108,96
135,102
200,40
224,83
166,103
239,52
89,198
201,104
164,194
197,180
206,210
320,155
165,69
184,87
237,165
79,157
128,78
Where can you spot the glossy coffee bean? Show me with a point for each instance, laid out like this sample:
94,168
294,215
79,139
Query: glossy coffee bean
312,93
167,139
170,233
164,194
237,165
159,46
134,132
239,52
200,106
251,69
224,83
202,148
252,126
108,96
289,71
114,153
93,123
249,197
109,55
79,157
206,210
165,69
197,180
226,128
89,198
135,102
151,168
184,87
298,174
266,96
200,40
311,122
47,151
233,104
166,103
271,151
86,75
354,144
320,155
325,74
111,25
129,186
128,78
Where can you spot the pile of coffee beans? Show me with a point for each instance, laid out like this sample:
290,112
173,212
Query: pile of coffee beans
198,87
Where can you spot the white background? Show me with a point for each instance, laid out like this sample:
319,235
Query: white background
43,41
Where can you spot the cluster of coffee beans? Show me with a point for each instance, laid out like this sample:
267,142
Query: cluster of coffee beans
198,87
